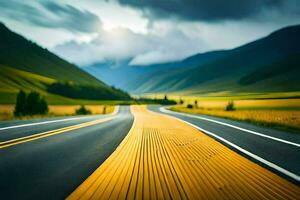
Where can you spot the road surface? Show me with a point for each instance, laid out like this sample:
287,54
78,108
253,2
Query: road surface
144,155
164,158
52,165
278,148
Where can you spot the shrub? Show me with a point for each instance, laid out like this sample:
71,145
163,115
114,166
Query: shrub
82,111
181,102
230,106
190,106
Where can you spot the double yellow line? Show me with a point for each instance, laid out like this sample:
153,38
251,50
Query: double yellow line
29,138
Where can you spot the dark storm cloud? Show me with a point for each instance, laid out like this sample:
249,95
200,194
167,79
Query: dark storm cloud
206,10
51,15
72,18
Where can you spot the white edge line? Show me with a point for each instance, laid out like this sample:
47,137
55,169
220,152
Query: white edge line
162,109
39,123
260,159
116,110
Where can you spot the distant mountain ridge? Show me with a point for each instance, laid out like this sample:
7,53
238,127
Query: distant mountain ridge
113,72
269,64
25,65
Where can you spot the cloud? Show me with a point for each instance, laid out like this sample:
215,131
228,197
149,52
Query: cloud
145,31
140,49
209,11
51,15
169,40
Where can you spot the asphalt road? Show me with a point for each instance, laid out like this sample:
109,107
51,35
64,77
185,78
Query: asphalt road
277,150
52,167
163,158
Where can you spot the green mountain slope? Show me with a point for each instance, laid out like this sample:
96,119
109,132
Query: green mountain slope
12,80
25,65
271,64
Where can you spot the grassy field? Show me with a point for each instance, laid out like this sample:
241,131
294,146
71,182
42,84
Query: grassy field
6,111
279,113
225,96
258,104
271,101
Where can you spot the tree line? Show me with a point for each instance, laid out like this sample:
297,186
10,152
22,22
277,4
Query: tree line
91,92
30,104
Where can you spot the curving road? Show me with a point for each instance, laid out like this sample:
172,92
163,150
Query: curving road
162,156
52,166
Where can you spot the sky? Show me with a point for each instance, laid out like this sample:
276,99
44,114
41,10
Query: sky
144,32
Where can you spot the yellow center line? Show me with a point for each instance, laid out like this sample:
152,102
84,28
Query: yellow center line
163,158
51,133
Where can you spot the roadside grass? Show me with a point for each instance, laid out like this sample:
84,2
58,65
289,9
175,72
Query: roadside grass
6,111
252,104
225,96
70,109
5,116
280,119
259,104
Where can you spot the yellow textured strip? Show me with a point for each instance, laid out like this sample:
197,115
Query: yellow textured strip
163,158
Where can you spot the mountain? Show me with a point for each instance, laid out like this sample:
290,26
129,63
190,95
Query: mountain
270,64
25,65
121,73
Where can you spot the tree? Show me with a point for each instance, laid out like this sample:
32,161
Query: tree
33,103
166,98
196,104
43,107
20,104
